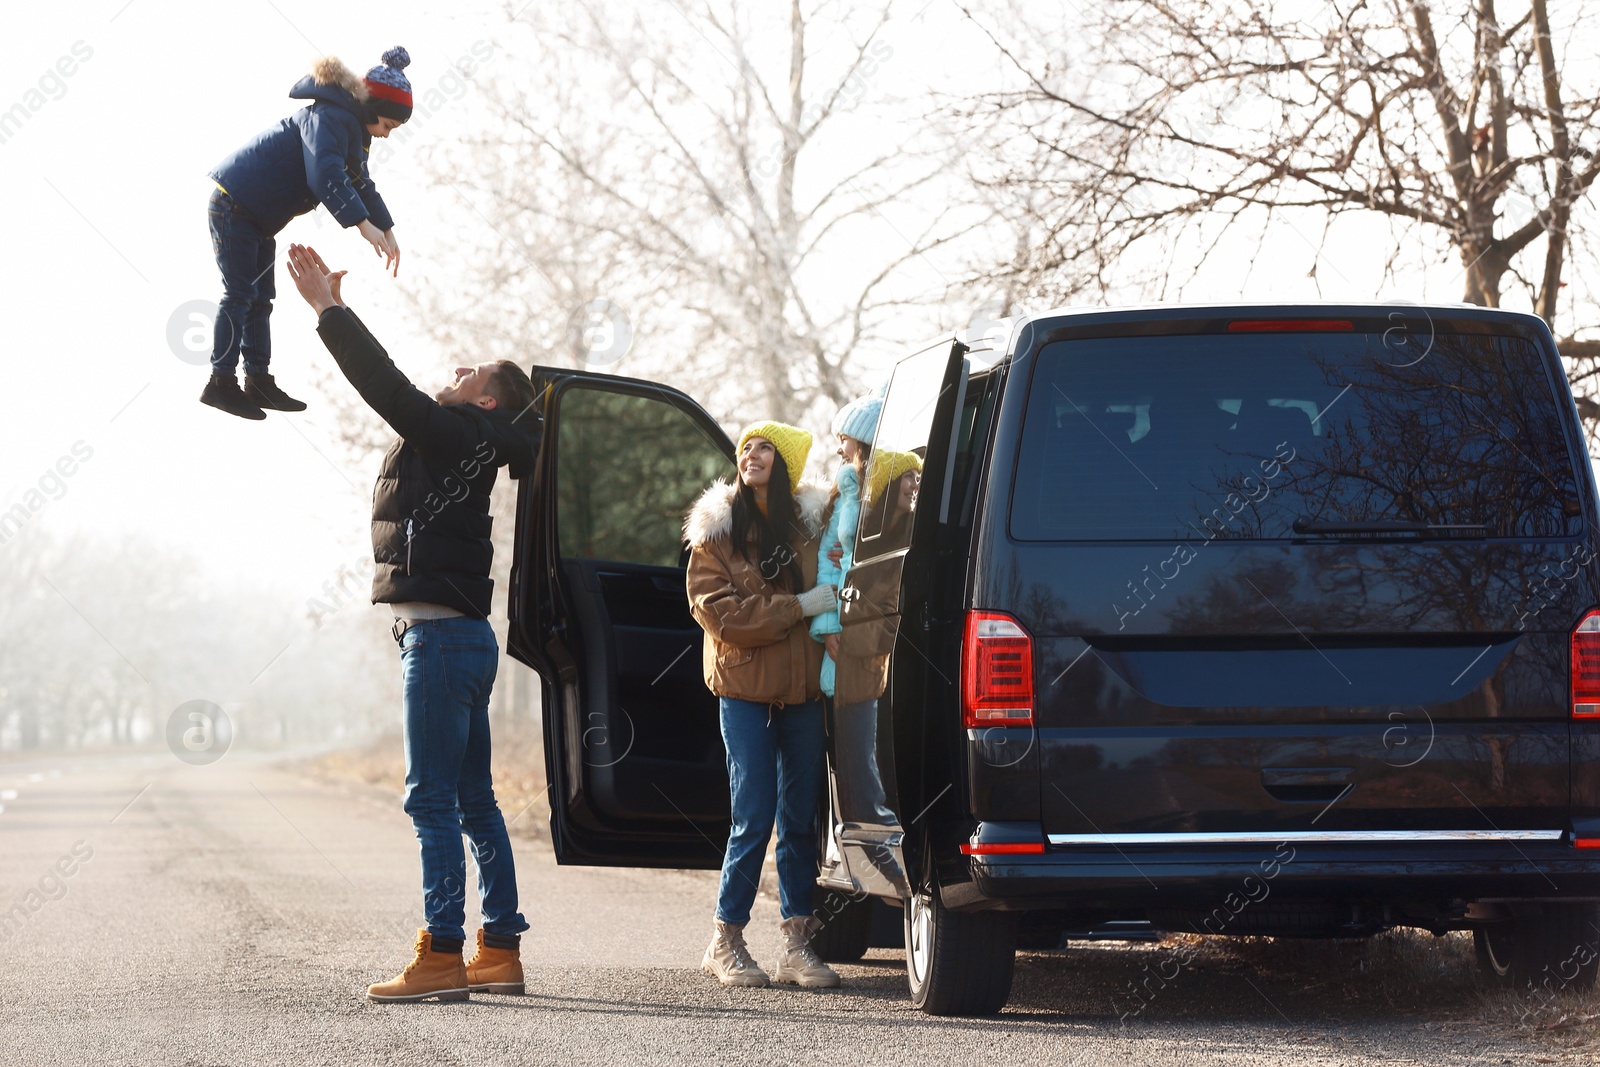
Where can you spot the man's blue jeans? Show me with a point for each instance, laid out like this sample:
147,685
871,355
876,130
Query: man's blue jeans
775,770
245,257
448,668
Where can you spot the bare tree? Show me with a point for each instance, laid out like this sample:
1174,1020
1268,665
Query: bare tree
1468,129
691,177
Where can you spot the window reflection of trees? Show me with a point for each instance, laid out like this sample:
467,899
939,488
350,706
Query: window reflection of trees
1469,435
628,467
1236,438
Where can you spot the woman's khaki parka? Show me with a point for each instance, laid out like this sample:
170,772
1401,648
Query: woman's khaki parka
757,645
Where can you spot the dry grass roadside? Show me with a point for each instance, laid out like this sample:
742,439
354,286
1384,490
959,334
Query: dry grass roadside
517,765
1407,972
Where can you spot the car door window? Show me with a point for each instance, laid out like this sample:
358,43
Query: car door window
894,469
629,467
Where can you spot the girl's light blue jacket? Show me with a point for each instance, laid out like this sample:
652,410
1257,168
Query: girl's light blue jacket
841,530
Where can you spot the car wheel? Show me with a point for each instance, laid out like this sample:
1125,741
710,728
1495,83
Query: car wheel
1554,947
846,930
958,963
1493,947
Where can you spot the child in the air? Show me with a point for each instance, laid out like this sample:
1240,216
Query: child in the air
318,155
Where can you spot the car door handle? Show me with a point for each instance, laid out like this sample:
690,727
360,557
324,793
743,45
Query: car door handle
1307,785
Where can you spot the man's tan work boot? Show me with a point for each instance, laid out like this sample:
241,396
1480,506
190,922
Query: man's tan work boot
729,961
800,964
497,965
432,974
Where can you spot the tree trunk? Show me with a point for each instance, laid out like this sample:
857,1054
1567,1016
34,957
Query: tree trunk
1561,151
1486,266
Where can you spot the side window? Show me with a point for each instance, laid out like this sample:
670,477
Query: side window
627,469
894,469
974,421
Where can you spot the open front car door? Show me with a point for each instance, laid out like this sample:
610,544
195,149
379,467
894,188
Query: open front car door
633,749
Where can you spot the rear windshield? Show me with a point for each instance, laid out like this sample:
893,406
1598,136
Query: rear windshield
1239,436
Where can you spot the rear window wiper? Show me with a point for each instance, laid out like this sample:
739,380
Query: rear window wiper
1306,527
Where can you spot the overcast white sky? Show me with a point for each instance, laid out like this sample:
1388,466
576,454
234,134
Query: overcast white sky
105,232
104,237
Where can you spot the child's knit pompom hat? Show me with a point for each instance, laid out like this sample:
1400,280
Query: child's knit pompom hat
390,92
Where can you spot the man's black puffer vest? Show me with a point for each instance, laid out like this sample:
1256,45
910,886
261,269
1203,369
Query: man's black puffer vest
430,507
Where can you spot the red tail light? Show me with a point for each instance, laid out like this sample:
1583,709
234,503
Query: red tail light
1585,666
996,671
1290,326
1586,842
1005,848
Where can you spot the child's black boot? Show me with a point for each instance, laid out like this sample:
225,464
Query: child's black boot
262,391
223,393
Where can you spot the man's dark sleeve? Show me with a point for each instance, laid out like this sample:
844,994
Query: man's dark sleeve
421,420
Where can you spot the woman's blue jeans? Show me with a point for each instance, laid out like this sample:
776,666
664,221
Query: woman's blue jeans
775,772
448,668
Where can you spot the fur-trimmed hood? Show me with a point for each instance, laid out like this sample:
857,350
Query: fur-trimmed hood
711,516
332,81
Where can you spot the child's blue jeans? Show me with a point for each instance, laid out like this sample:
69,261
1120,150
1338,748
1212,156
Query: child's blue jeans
245,257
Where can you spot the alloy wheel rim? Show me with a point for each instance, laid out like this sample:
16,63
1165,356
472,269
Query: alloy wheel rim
919,948
1497,946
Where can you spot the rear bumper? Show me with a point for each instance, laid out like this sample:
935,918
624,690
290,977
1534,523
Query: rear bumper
1134,878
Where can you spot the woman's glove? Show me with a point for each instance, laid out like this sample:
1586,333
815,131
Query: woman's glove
817,600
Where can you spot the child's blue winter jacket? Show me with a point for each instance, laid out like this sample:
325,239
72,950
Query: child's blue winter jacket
317,155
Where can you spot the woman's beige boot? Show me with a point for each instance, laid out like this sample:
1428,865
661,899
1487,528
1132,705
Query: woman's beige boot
800,965
729,961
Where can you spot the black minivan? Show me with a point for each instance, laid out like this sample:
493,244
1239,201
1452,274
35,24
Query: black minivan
1270,620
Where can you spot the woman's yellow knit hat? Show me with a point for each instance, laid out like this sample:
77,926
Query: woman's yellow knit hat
792,443
885,467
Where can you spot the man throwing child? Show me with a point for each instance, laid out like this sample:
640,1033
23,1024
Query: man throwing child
430,541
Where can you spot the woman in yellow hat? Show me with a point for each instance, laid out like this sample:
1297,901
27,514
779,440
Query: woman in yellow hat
752,588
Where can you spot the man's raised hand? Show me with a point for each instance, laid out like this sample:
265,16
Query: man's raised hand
334,276
316,283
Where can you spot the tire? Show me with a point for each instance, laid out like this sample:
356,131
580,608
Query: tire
958,963
1555,947
846,930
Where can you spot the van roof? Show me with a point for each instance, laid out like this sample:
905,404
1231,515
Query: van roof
991,340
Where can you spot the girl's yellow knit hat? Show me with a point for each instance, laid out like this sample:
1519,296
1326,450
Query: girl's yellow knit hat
792,443
885,467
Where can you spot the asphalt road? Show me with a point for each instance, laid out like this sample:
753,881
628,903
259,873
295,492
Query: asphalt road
235,913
